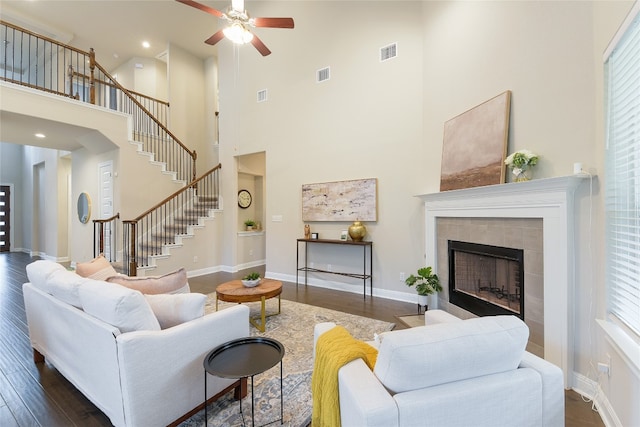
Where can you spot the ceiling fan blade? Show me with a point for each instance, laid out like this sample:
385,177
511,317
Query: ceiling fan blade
273,22
202,7
257,43
215,38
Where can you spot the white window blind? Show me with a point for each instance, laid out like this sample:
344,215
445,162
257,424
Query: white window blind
623,177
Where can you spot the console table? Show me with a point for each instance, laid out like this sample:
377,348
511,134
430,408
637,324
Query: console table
364,276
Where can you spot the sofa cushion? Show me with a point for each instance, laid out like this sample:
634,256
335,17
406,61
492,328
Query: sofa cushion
38,271
174,309
170,283
124,308
425,356
98,268
65,285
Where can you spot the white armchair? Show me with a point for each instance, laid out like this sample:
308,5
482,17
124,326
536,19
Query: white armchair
453,373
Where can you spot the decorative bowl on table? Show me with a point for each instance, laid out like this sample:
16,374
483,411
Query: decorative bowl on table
250,283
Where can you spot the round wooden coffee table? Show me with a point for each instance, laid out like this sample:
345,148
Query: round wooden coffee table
235,291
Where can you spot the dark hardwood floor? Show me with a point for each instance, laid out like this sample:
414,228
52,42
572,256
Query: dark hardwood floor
37,395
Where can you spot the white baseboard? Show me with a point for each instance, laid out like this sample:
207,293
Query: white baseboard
204,271
592,390
346,287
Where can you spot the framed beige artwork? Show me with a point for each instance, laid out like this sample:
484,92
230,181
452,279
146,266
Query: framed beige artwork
354,200
475,144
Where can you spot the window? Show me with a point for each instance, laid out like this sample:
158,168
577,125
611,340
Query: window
622,203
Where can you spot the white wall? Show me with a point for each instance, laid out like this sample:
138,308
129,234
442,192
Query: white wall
211,106
45,210
359,124
385,120
186,76
147,76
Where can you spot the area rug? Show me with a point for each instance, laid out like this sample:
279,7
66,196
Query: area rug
294,329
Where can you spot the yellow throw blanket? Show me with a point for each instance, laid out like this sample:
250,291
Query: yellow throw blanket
334,348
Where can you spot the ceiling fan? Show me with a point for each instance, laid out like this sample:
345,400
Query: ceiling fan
239,23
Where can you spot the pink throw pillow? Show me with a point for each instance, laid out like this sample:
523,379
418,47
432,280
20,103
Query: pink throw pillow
170,283
97,269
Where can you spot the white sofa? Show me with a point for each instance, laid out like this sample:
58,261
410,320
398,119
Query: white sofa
135,372
451,373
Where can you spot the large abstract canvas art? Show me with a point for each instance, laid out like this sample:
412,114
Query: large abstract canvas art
354,200
475,145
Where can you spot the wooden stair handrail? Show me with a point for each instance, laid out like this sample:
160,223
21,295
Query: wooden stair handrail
180,191
100,224
32,86
102,221
135,101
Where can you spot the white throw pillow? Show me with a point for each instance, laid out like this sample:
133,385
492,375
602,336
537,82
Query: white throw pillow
38,272
126,309
425,356
174,309
170,283
65,285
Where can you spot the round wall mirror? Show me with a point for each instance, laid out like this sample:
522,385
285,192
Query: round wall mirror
84,208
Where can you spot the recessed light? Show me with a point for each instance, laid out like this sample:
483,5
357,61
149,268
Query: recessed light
40,135
146,45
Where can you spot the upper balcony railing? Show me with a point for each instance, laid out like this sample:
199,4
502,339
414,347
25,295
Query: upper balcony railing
38,62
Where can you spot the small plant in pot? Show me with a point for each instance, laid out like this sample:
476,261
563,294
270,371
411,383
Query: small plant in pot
251,280
249,224
426,283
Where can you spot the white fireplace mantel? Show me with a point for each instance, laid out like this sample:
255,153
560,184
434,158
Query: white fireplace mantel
550,199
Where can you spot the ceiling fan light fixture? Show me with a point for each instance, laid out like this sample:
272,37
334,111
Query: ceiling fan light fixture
237,33
237,5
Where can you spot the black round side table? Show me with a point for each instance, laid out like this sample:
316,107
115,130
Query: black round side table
243,358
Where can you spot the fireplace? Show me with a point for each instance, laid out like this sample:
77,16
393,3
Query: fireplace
549,201
486,280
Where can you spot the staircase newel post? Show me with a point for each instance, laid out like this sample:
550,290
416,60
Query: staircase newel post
92,67
133,265
193,175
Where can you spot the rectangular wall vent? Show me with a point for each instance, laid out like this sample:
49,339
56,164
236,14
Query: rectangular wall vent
262,95
388,52
323,75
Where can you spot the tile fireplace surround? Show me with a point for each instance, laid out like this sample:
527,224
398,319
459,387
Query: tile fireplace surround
549,200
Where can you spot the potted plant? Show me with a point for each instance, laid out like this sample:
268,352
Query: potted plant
426,283
249,224
251,280
521,163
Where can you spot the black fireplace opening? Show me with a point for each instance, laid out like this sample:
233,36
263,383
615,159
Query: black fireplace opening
486,280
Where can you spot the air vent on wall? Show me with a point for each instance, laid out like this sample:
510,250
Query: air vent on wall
262,95
388,52
323,74
163,56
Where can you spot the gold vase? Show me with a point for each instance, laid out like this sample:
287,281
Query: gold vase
357,231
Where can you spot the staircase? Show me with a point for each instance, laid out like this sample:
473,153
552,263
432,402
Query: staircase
175,231
153,235
59,69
